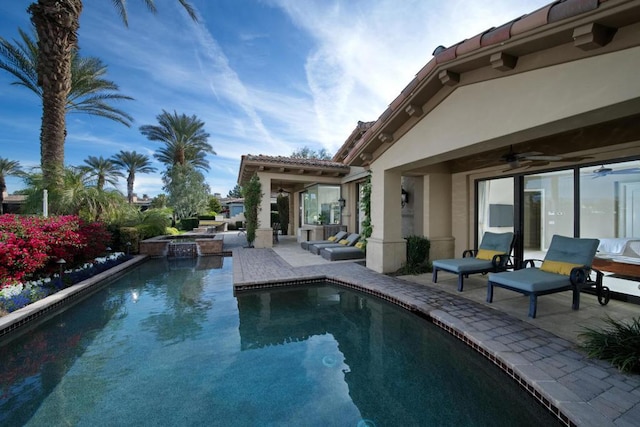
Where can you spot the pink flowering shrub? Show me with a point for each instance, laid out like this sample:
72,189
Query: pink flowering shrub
30,246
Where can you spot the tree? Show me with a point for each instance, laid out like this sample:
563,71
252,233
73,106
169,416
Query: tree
7,168
309,153
56,23
214,204
76,197
132,163
184,138
159,202
90,92
252,193
101,171
188,193
236,193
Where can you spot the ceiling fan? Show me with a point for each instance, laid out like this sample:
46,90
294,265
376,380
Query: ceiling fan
604,171
534,158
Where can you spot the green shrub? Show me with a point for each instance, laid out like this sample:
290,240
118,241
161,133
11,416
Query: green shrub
619,344
188,224
128,235
417,256
172,231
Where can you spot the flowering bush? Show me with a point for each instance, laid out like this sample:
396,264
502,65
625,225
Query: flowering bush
18,295
30,246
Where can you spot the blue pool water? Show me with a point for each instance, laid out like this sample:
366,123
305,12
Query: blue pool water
169,344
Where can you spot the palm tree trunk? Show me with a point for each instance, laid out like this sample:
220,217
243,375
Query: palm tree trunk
57,23
130,180
3,188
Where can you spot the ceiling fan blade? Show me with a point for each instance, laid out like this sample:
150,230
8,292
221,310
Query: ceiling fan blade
545,158
603,171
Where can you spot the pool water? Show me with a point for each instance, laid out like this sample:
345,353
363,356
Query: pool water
169,344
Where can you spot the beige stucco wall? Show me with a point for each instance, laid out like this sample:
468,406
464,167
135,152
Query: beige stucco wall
495,113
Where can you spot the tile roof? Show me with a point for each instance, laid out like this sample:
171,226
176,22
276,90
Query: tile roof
494,40
251,163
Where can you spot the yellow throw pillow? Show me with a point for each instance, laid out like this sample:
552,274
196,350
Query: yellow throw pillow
344,242
487,254
360,245
558,267
332,238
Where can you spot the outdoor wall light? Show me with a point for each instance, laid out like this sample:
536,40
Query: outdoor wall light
342,202
404,197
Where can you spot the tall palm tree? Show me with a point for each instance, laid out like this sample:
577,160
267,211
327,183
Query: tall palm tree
132,163
101,171
90,92
184,137
7,168
56,23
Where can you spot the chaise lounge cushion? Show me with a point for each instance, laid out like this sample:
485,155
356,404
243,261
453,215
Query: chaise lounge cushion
342,253
492,244
351,240
570,259
336,237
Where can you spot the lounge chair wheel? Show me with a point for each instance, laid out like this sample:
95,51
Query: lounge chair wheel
604,296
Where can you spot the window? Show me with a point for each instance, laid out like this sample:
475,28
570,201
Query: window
320,205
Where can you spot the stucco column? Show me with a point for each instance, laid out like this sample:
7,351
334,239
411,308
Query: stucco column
264,233
386,249
437,214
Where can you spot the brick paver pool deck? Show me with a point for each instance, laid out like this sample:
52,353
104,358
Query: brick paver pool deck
581,391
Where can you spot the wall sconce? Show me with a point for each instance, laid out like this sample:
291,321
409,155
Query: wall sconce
342,202
404,198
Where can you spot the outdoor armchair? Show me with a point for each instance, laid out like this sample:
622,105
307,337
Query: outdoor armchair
491,256
566,266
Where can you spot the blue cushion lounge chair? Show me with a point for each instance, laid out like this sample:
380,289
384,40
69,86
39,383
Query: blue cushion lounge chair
338,236
350,240
491,256
343,253
566,266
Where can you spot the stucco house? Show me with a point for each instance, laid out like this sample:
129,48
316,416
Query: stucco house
532,126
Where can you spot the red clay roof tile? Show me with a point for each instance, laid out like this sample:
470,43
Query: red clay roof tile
569,8
531,21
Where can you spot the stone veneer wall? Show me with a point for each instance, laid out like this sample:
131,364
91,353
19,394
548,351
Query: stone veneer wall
209,246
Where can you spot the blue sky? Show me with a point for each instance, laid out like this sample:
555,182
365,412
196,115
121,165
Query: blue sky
267,77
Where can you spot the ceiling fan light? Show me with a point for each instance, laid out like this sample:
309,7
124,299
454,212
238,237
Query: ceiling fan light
514,164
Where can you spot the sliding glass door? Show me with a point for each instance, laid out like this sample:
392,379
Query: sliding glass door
600,202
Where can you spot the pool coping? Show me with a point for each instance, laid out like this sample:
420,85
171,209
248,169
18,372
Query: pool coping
552,369
31,315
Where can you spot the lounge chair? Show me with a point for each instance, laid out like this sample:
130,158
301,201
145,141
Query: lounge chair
350,240
333,239
566,266
344,253
491,256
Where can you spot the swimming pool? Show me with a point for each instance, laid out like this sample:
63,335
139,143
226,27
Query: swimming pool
169,344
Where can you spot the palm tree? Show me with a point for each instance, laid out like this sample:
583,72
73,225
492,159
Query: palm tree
101,171
7,168
90,92
184,137
132,163
56,23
